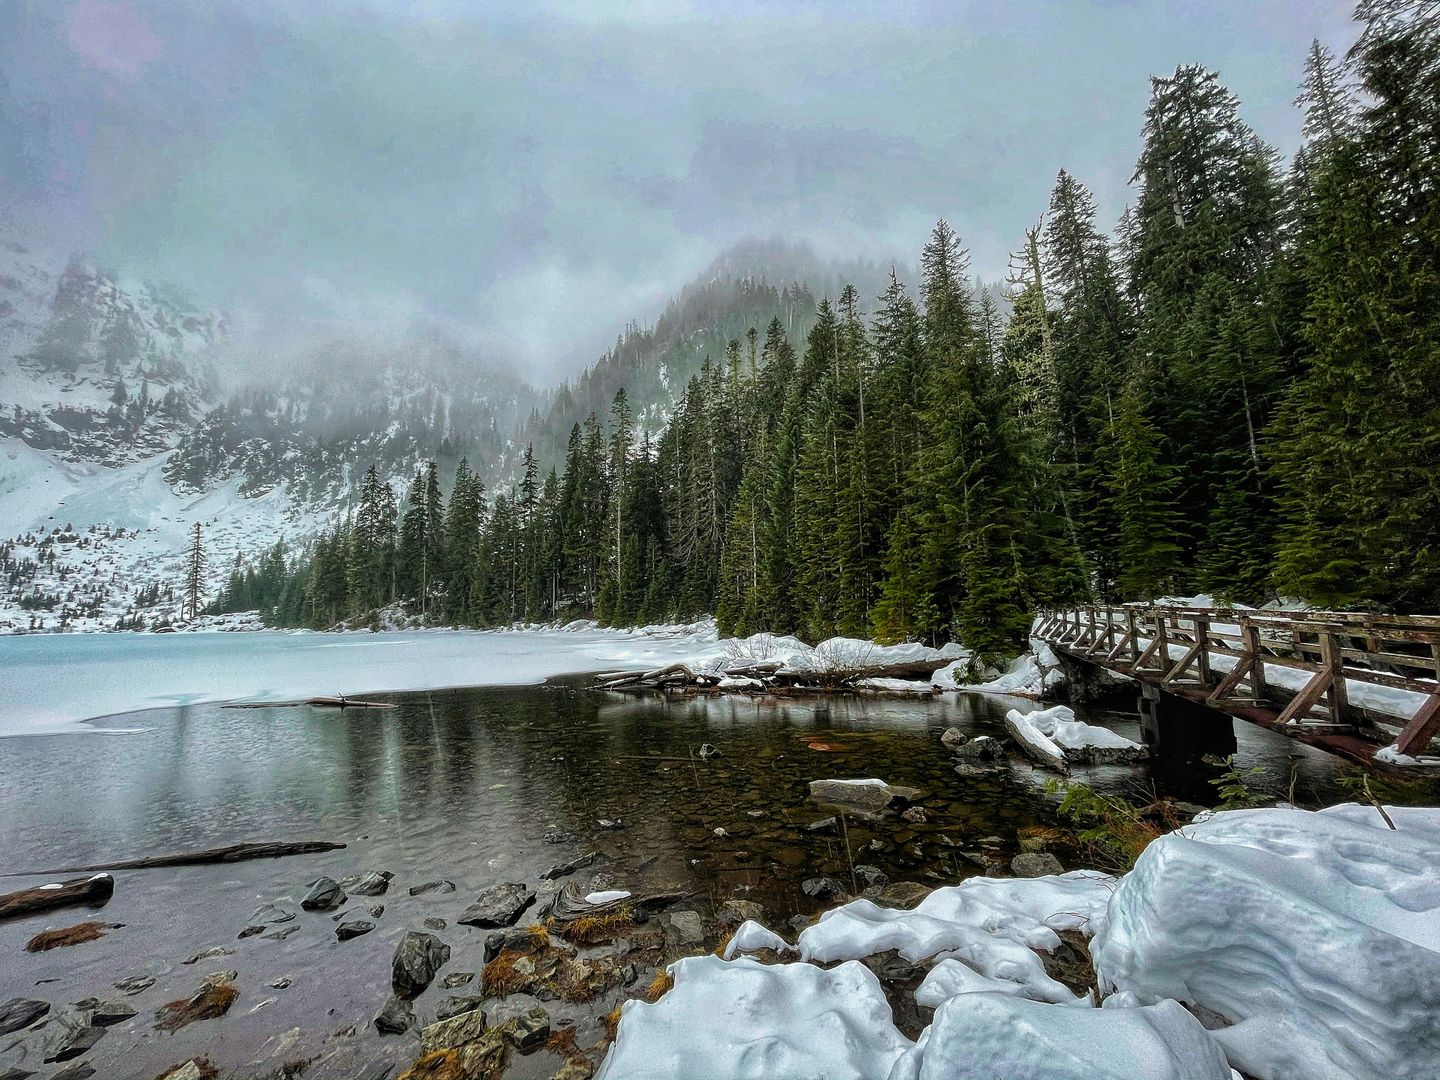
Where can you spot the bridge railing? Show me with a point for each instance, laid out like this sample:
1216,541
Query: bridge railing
1332,670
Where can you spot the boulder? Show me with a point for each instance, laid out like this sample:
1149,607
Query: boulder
901,894
684,928
417,958
982,748
499,905
372,883
1033,864
325,895
870,796
953,738
20,1013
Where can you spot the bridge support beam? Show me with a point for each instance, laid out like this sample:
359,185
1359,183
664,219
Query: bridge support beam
1180,730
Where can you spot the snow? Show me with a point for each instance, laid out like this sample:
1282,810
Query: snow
751,937
895,686
998,1035
740,1018
106,674
836,656
1059,725
1034,674
1034,741
993,925
869,782
951,978
1316,933
607,897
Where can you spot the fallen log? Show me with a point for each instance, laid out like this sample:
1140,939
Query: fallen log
230,854
338,702
95,890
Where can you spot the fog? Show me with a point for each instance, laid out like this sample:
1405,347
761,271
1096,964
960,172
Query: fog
528,178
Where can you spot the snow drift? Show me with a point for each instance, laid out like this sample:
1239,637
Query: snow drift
1316,933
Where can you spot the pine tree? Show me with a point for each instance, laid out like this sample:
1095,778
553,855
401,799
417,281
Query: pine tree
195,567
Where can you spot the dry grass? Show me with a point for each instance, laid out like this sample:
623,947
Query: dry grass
611,1020
562,1043
724,944
595,929
69,935
1040,837
659,986
539,936
499,978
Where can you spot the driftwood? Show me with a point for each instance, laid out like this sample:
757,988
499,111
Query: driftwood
92,890
338,702
233,853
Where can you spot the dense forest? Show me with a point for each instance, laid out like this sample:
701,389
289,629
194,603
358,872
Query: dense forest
1235,393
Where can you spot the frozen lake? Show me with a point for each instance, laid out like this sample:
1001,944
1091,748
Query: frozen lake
50,683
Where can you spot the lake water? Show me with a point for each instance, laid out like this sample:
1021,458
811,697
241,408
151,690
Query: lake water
462,785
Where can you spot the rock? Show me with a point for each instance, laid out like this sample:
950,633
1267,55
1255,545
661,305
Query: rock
282,934
432,887
554,834
189,1071
872,875
72,1036
325,895
434,922
447,1034
271,915
822,888
353,929
457,978
735,912
219,978
915,814
824,825
395,1017
707,752
417,958
210,954
376,910
720,831
528,1030
79,1071
902,894
953,738
562,869
134,984
369,884
518,938
871,798
20,1013
611,823
279,984
800,922
575,1068
453,1006
981,748
15,1074
684,928
250,931
110,1013
212,1000
499,905
1033,864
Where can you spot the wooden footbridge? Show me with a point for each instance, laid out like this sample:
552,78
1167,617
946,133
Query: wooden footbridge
1349,683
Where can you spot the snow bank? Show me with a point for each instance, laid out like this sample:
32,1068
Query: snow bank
1057,729
1318,934
1034,674
791,656
997,1035
106,674
752,937
994,925
740,1018
1034,741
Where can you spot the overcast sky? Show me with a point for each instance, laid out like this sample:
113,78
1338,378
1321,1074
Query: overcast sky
535,175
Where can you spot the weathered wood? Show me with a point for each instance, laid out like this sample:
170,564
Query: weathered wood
1422,728
95,890
233,853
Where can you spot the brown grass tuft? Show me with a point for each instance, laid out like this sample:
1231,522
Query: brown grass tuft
562,1043
659,986
68,935
499,977
595,929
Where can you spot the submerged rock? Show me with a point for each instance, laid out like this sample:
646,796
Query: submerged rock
707,752
432,887
325,895
395,1017
499,905
562,869
20,1013
417,958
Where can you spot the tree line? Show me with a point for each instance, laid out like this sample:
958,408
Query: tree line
1233,393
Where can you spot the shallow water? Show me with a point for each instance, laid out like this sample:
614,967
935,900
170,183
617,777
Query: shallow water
461,785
